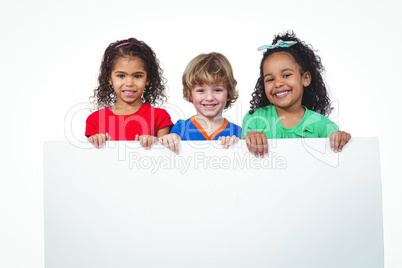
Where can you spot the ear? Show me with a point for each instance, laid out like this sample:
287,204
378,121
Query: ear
306,79
147,83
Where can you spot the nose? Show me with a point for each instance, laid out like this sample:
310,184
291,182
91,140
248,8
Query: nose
209,95
278,82
129,80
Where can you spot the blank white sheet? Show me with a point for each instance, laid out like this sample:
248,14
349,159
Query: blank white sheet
300,206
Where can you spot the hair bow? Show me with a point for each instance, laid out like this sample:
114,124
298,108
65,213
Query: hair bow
280,43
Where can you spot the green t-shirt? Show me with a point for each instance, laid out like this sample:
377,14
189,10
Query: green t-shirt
266,120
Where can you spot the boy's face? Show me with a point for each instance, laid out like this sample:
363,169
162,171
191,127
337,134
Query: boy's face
209,100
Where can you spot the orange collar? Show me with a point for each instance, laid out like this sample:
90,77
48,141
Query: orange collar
213,135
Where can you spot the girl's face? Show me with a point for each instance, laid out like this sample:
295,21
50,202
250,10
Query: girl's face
209,100
284,83
129,79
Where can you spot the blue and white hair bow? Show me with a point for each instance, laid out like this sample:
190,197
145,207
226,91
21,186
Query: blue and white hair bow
280,43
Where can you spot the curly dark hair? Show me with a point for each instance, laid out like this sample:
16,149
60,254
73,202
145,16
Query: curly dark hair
104,94
315,96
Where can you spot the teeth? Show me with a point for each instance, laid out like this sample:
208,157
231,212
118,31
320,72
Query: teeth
209,105
282,93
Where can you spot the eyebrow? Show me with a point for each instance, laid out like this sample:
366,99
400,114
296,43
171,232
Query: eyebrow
121,72
284,70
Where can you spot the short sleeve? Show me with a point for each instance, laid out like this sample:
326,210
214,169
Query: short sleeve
178,128
330,127
248,125
238,131
91,126
163,119
318,126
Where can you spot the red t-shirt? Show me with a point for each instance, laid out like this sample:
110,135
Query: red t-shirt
146,121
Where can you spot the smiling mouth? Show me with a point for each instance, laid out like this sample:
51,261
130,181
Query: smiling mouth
282,94
209,105
129,92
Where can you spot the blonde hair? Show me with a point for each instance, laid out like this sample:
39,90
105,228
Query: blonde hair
211,68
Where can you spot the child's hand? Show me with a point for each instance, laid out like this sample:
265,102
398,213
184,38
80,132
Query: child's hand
146,141
170,141
338,139
257,143
98,140
227,141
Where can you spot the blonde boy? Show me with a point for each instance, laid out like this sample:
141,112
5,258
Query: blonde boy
209,84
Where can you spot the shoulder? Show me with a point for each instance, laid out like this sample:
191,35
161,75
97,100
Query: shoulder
99,114
263,111
181,126
233,125
146,107
234,129
183,123
314,117
319,123
104,110
260,116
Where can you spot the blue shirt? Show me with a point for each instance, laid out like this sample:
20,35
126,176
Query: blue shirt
190,129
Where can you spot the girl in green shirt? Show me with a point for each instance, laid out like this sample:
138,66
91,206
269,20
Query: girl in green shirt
290,99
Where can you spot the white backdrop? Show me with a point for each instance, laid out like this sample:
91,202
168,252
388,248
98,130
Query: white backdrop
50,56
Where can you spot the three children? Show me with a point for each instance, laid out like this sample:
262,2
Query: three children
289,101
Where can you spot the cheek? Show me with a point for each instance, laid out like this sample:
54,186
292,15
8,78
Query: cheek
267,89
115,82
223,99
268,92
194,99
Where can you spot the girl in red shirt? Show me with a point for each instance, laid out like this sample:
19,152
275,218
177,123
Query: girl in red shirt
130,81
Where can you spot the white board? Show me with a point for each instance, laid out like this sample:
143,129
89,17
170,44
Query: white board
301,206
